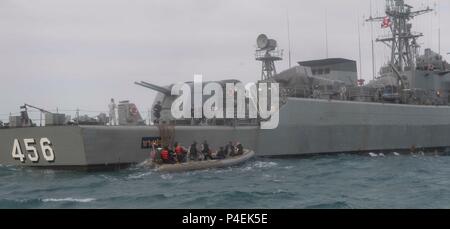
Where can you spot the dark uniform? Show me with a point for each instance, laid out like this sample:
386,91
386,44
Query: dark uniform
222,154
157,112
240,149
193,153
206,151
229,149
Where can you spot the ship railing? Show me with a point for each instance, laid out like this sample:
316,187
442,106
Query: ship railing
360,92
306,92
264,54
302,92
38,118
212,122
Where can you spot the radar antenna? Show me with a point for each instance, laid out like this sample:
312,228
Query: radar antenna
267,53
402,41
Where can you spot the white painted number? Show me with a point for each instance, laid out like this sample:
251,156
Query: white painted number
31,149
47,150
32,152
17,151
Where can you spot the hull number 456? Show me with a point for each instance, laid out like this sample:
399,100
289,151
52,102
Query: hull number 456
31,151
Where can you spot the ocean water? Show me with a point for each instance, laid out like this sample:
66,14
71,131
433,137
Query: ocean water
341,181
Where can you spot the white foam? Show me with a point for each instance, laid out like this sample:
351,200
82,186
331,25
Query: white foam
86,200
373,154
248,168
229,169
261,164
166,176
108,178
145,163
138,176
396,154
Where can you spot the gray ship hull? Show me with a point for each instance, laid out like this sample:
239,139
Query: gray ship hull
307,126
310,126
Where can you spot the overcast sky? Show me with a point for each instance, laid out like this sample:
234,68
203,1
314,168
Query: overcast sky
79,53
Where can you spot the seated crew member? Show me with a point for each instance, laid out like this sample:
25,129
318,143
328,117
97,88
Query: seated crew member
193,152
206,151
180,153
165,156
221,154
229,149
173,156
240,149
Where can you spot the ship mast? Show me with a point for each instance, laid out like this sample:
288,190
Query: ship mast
402,41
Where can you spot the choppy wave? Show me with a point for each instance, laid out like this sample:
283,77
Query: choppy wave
139,175
109,178
85,200
258,165
166,176
265,164
320,182
331,205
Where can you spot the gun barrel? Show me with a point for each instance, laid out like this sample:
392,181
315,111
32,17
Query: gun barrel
154,87
37,108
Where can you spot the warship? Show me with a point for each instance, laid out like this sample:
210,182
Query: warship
324,109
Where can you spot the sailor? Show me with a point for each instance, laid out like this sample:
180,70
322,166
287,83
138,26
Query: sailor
173,156
206,151
153,152
343,93
193,152
157,111
166,157
316,92
112,113
221,154
239,149
180,153
229,149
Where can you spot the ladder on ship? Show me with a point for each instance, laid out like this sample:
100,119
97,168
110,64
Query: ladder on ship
167,133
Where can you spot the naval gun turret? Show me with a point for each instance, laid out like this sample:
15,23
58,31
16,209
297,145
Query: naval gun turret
154,87
164,100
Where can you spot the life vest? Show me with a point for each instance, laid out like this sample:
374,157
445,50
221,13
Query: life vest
179,150
165,155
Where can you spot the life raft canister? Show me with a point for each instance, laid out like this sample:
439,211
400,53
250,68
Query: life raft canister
165,155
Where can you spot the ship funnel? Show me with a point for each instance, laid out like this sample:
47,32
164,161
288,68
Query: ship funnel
150,86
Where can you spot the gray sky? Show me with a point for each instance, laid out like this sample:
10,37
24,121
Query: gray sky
79,53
